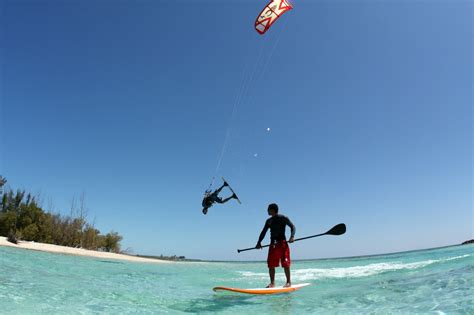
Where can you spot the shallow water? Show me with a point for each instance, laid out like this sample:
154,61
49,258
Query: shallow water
432,281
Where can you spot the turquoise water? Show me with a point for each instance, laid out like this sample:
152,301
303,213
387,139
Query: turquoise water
432,281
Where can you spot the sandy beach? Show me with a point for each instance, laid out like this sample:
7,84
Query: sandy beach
77,251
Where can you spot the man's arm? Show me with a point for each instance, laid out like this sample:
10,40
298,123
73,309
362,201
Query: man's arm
293,229
262,234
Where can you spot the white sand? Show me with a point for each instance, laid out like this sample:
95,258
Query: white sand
76,251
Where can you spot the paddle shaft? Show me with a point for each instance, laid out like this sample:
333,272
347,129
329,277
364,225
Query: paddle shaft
298,239
336,230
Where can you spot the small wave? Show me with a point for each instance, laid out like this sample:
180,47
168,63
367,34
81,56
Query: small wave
353,272
110,262
457,257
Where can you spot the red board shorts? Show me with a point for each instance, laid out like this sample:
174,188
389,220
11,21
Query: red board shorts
279,253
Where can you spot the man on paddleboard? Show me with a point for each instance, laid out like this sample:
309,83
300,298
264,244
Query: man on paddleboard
279,251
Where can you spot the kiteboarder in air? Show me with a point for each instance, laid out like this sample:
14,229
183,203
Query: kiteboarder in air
211,198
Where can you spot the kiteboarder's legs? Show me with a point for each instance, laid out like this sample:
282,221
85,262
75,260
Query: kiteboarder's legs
220,188
234,196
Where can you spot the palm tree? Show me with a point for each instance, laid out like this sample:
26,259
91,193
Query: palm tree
3,181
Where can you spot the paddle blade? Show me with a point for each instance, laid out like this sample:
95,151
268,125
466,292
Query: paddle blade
337,230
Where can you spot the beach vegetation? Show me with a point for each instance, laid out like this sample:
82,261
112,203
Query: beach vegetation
23,218
112,242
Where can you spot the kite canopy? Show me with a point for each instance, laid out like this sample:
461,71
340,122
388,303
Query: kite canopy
270,14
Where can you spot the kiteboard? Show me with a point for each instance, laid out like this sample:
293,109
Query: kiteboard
228,186
259,291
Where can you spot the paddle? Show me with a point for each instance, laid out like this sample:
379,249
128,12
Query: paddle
336,230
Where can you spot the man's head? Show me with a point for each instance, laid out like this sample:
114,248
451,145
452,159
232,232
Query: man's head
272,209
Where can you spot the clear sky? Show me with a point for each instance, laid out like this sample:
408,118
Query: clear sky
369,105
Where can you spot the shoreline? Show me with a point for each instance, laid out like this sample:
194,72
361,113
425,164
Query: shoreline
65,250
57,249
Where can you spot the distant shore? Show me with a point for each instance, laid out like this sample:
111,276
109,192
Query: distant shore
79,251
153,259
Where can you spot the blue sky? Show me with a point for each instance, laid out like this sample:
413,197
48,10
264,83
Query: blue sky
369,105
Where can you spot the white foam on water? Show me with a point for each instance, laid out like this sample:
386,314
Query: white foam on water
457,257
351,272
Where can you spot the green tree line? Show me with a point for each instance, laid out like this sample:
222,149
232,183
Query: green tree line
22,218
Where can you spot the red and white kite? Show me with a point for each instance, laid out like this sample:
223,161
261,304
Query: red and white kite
270,14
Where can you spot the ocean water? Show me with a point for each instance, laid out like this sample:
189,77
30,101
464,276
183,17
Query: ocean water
435,281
